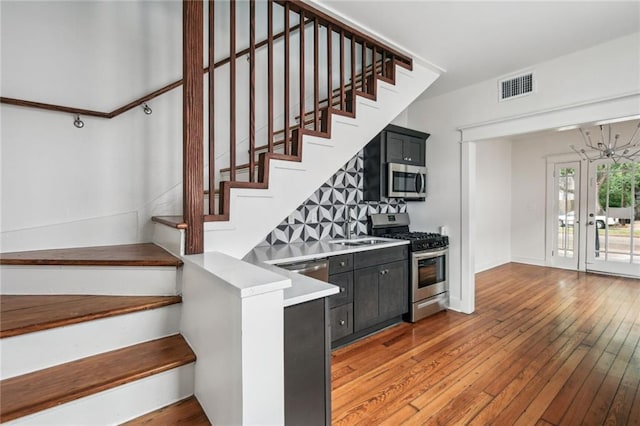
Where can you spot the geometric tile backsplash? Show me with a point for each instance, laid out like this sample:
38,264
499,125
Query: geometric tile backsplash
323,215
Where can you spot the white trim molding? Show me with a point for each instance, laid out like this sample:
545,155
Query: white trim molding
621,105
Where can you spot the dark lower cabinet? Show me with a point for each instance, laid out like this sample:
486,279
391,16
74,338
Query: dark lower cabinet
393,290
307,364
341,321
374,287
381,293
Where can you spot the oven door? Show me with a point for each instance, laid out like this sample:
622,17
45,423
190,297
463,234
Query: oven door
406,181
429,274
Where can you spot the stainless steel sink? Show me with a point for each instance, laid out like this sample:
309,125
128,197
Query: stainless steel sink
358,242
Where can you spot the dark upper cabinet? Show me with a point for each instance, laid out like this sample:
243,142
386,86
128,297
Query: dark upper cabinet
404,148
394,144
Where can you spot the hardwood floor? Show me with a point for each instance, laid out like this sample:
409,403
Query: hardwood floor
544,347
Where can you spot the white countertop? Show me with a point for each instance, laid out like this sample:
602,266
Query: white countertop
303,288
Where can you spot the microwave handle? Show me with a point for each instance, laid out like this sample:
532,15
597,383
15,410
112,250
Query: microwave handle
420,185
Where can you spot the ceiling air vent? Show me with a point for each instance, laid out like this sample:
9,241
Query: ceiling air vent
515,87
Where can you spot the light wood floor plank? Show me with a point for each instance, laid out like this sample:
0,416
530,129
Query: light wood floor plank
544,347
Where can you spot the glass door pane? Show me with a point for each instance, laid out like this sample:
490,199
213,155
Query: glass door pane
566,215
613,244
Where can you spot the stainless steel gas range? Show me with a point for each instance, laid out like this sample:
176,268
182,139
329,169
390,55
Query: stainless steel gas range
429,291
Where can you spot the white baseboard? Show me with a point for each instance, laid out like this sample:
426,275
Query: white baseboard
489,265
529,261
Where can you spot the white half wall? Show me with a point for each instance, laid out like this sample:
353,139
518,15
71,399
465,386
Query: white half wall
233,318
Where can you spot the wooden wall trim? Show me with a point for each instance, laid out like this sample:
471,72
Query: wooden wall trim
139,101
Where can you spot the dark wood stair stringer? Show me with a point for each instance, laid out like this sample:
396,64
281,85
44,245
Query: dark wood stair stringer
39,390
264,158
296,141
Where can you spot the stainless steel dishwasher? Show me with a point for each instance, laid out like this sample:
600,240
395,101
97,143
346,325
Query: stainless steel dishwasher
318,269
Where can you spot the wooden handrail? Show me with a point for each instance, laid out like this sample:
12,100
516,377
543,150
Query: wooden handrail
298,5
141,100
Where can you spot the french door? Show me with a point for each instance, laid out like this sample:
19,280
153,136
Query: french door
565,215
613,233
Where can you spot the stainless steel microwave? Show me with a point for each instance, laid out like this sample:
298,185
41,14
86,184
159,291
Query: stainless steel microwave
406,181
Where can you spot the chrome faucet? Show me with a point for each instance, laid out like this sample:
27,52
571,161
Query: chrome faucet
347,231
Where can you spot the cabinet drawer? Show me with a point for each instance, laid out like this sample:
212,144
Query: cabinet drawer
341,263
341,321
377,257
345,282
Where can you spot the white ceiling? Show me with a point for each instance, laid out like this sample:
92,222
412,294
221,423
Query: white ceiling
477,40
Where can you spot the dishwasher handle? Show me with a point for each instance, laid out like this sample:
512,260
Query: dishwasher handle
318,269
307,267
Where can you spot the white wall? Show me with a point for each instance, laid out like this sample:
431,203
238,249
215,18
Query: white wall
63,186
567,93
493,204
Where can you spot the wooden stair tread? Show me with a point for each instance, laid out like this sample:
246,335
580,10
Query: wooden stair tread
172,221
27,314
185,412
37,391
146,254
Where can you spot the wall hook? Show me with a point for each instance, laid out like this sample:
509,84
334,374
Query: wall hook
147,110
78,123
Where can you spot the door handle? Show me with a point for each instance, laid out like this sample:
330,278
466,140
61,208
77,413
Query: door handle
591,222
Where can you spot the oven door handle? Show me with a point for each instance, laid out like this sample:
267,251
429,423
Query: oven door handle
418,256
429,261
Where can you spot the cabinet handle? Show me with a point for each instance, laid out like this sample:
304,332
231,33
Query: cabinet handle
342,289
341,322
342,263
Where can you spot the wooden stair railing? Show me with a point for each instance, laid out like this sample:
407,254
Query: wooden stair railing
352,62
339,63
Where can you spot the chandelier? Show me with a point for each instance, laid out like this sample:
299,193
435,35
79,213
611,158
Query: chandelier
607,146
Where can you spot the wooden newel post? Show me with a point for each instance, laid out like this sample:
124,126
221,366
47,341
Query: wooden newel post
192,125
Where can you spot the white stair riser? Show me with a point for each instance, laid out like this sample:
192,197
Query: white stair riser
170,239
89,280
64,344
120,404
243,174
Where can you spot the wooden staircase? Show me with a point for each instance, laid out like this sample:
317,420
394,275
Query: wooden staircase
93,358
